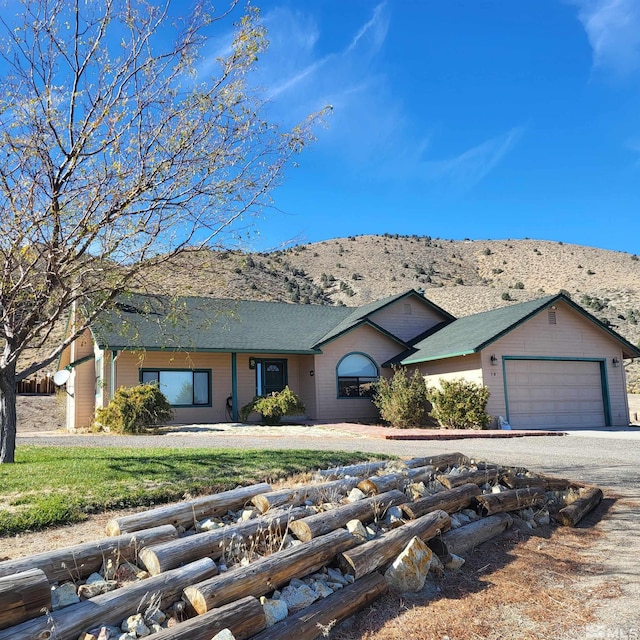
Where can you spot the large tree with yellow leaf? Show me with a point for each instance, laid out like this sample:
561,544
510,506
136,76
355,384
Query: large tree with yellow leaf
116,154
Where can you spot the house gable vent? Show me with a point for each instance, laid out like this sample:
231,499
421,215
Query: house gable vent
552,316
407,309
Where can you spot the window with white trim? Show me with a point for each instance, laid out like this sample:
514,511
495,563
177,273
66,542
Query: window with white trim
182,387
357,375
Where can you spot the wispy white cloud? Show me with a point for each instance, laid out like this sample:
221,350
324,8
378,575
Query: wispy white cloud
376,27
297,69
461,173
613,30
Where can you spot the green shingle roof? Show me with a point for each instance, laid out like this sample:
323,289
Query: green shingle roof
470,334
213,324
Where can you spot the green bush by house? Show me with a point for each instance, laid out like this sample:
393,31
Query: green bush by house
401,399
134,410
274,406
459,404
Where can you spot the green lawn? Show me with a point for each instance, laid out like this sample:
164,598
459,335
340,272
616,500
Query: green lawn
49,486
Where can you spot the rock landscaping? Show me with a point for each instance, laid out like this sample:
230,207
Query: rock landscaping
264,564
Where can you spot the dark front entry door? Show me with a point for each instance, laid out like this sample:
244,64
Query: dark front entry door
274,375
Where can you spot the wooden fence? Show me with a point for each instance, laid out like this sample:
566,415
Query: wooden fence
40,386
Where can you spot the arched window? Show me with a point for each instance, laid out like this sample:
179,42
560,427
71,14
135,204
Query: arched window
357,374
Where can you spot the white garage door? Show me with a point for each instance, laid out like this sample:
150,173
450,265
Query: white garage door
554,393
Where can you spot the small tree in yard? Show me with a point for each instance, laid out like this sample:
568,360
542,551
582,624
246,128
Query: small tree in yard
459,404
401,399
118,151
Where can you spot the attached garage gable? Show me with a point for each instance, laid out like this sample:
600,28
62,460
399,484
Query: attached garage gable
547,393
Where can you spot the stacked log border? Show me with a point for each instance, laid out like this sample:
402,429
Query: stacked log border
228,600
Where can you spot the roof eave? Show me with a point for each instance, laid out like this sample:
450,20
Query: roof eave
458,354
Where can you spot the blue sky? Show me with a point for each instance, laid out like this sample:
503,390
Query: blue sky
458,119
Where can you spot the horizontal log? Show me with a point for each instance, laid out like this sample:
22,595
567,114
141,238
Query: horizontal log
481,476
79,561
184,514
244,618
547,483
213,544
381,484
365,510
379,552
449,501
325,491
352,470
573,513
308,624
511,500
110,608
268,573
439,461
468,537
23,596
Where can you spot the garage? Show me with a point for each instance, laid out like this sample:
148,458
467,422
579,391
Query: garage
555,393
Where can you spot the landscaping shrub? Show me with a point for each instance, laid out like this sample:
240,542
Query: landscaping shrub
459,404
273,406
134,410
401,399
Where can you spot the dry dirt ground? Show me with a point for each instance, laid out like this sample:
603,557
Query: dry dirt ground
573,584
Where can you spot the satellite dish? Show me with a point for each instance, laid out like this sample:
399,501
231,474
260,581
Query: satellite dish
61,377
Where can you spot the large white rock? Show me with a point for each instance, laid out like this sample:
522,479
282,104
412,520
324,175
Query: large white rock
225,634
354,495
274,610
409,570
356,528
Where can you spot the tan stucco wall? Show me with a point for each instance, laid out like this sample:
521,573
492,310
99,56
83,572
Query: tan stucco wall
361,340
407,318
572,337
467,367
81,384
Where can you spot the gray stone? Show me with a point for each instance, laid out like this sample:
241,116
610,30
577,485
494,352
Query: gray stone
454,562
356,528
128,636
496,488
298,597
93,589
455,523
335,575
135,625
210,524
225,634
63,596
354,495
322,589
543,518
393,516
274,610
155,617
248,514
409,570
